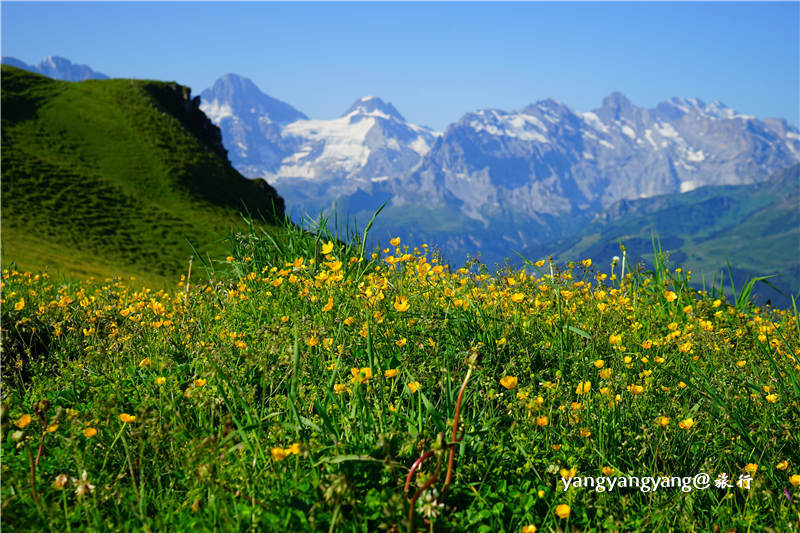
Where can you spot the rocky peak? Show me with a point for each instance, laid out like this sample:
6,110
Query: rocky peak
372,105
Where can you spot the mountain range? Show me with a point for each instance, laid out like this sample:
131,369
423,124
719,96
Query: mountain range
497,181
506,180
58,68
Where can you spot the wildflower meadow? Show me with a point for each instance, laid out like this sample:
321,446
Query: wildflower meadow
303,383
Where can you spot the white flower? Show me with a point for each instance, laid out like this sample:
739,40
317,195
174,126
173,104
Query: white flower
82,485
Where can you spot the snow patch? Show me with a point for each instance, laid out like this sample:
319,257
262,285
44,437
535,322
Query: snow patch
627,130
606,144
595,122
216,111
695,156
515,126
648,134
687,186
666,130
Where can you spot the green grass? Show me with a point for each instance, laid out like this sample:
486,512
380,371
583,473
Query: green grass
122,174
295,390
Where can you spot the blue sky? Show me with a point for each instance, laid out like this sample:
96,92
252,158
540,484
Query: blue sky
435,61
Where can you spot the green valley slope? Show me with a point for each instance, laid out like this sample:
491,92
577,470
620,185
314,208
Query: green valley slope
115,177
757,227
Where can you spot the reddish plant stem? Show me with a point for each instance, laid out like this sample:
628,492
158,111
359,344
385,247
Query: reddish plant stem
41,446
414,467
412,527
456,437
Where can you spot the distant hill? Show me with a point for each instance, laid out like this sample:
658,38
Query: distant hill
116,176
58,68
756,226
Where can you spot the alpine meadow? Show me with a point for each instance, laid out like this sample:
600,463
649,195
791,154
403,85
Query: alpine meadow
220,314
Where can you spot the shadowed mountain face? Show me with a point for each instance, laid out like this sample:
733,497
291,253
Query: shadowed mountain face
58,68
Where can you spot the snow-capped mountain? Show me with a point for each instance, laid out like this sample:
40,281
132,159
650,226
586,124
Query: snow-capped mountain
58,68
503,179
371,142
313,162
549,159
271,139
251,123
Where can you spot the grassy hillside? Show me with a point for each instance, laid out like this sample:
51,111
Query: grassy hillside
115,177
757,227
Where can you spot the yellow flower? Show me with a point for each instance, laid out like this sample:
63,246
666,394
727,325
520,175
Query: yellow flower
361,375
562,510
530,528
637,389
688,309
540,263
541,421
200,382
125,417
312,341
401,303
145,362
568,474
327,247
607,471
328,306
392,372
601,307
23,421
670,296
586,263
20,305
662,421
585,432
294,448
627,359
647,344
772,398
517,297
349,321
395,241
599,363
795,480
229,259
583,387
160,380
614,339
52,428
279,454
413,387
509,382
401,342
284,318
783,465
605,373
339,388
89,432
751,468
741,363
686,423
